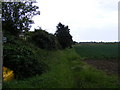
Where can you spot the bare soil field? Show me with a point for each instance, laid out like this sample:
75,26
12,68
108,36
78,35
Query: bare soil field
109,66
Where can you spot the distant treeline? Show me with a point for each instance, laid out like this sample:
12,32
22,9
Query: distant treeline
95,42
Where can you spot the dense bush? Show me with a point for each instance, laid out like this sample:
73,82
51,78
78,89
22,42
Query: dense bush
22,59
44,40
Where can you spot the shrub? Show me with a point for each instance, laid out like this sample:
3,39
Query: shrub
44,40
22,59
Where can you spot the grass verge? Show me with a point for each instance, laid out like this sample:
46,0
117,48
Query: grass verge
66,70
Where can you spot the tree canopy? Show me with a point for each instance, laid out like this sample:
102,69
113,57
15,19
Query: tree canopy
63,36
17,16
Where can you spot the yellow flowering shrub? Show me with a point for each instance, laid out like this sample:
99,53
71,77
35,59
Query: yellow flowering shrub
8,74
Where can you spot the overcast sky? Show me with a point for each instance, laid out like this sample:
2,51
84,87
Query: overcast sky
88,20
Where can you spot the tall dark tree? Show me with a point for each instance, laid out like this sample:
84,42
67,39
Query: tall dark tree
63,36
17,16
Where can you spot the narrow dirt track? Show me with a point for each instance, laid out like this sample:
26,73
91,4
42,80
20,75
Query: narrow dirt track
109,66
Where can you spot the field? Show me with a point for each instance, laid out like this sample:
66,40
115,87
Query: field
97,51
102,56
68,69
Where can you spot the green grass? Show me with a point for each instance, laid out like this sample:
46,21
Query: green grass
66,70
97,51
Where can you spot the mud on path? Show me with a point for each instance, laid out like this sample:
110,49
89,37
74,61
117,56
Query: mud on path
109,66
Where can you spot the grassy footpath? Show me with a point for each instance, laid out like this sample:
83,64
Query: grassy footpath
66,71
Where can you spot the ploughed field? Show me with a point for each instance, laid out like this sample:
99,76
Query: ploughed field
102,56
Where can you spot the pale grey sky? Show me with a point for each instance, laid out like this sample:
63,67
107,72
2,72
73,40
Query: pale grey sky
88,20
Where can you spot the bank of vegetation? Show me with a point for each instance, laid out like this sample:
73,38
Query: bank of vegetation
43,60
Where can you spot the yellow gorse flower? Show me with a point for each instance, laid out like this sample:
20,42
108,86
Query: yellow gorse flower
8,74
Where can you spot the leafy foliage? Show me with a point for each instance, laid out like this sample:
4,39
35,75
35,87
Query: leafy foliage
44,40
16,16
63,36
23,59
